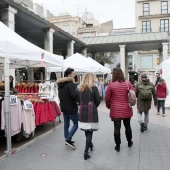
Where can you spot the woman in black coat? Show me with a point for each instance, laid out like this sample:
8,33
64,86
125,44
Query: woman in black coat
89,100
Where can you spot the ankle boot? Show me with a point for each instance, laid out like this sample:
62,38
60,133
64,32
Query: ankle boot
117,148
86,155
130,143
91,146
142,127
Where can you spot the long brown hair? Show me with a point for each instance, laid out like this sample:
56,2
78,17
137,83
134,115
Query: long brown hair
117,75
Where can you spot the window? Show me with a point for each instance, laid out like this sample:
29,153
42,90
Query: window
164,7
164,25
66,28
73,28
145,9
89,25
146,62
146,26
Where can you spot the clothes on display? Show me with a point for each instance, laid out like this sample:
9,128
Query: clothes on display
23,87
19,116
28,118
27,112
45,110
49,91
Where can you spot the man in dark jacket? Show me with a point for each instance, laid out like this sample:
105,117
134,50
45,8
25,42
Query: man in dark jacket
144,92
157,78
68,102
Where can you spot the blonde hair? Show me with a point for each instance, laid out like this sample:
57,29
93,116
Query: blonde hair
87,83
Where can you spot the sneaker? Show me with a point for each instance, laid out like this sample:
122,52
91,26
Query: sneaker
158,113
145,127
163,115
69,143
142,127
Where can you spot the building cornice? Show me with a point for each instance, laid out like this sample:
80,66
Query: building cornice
154,16
139,1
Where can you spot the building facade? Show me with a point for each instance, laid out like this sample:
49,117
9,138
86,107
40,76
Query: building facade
85,26
36,8
67,23
151,16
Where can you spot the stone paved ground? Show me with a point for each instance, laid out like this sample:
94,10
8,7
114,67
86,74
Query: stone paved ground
151,149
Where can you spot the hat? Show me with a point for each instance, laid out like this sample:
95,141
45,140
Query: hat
144,75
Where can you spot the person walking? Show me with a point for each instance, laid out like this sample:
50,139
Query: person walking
117,102
144,92
161,93
68,102
157,78
89,100
104,90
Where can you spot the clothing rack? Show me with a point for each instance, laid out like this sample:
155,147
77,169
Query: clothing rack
33,93
11,92
35,81
39,94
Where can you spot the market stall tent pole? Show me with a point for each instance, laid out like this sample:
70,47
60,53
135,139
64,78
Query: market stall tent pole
7,105
62,71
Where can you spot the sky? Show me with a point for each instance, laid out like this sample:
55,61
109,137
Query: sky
122,12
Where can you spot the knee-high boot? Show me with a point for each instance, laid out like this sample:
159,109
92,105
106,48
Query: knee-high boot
118,142
117,139
128,133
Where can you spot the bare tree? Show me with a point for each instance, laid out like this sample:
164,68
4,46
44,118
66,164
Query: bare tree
106,57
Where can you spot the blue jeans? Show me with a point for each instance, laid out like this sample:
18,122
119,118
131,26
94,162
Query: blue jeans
74,117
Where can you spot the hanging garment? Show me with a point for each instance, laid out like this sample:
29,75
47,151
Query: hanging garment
16,117
28,120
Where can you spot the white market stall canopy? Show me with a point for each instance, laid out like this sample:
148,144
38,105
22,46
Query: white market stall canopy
17,52
23,53
166,77
80,64
165,67
99,67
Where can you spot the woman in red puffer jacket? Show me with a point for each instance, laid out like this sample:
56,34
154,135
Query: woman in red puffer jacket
117,102
161,92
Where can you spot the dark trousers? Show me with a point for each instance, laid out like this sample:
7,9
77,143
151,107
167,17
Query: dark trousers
117,127
161,103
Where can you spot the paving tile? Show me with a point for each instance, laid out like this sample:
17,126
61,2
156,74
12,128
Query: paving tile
150,151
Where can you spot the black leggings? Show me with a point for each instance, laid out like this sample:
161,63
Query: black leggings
128,131
88,135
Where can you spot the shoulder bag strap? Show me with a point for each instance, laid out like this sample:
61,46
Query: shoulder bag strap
127,84
80,99
89,95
